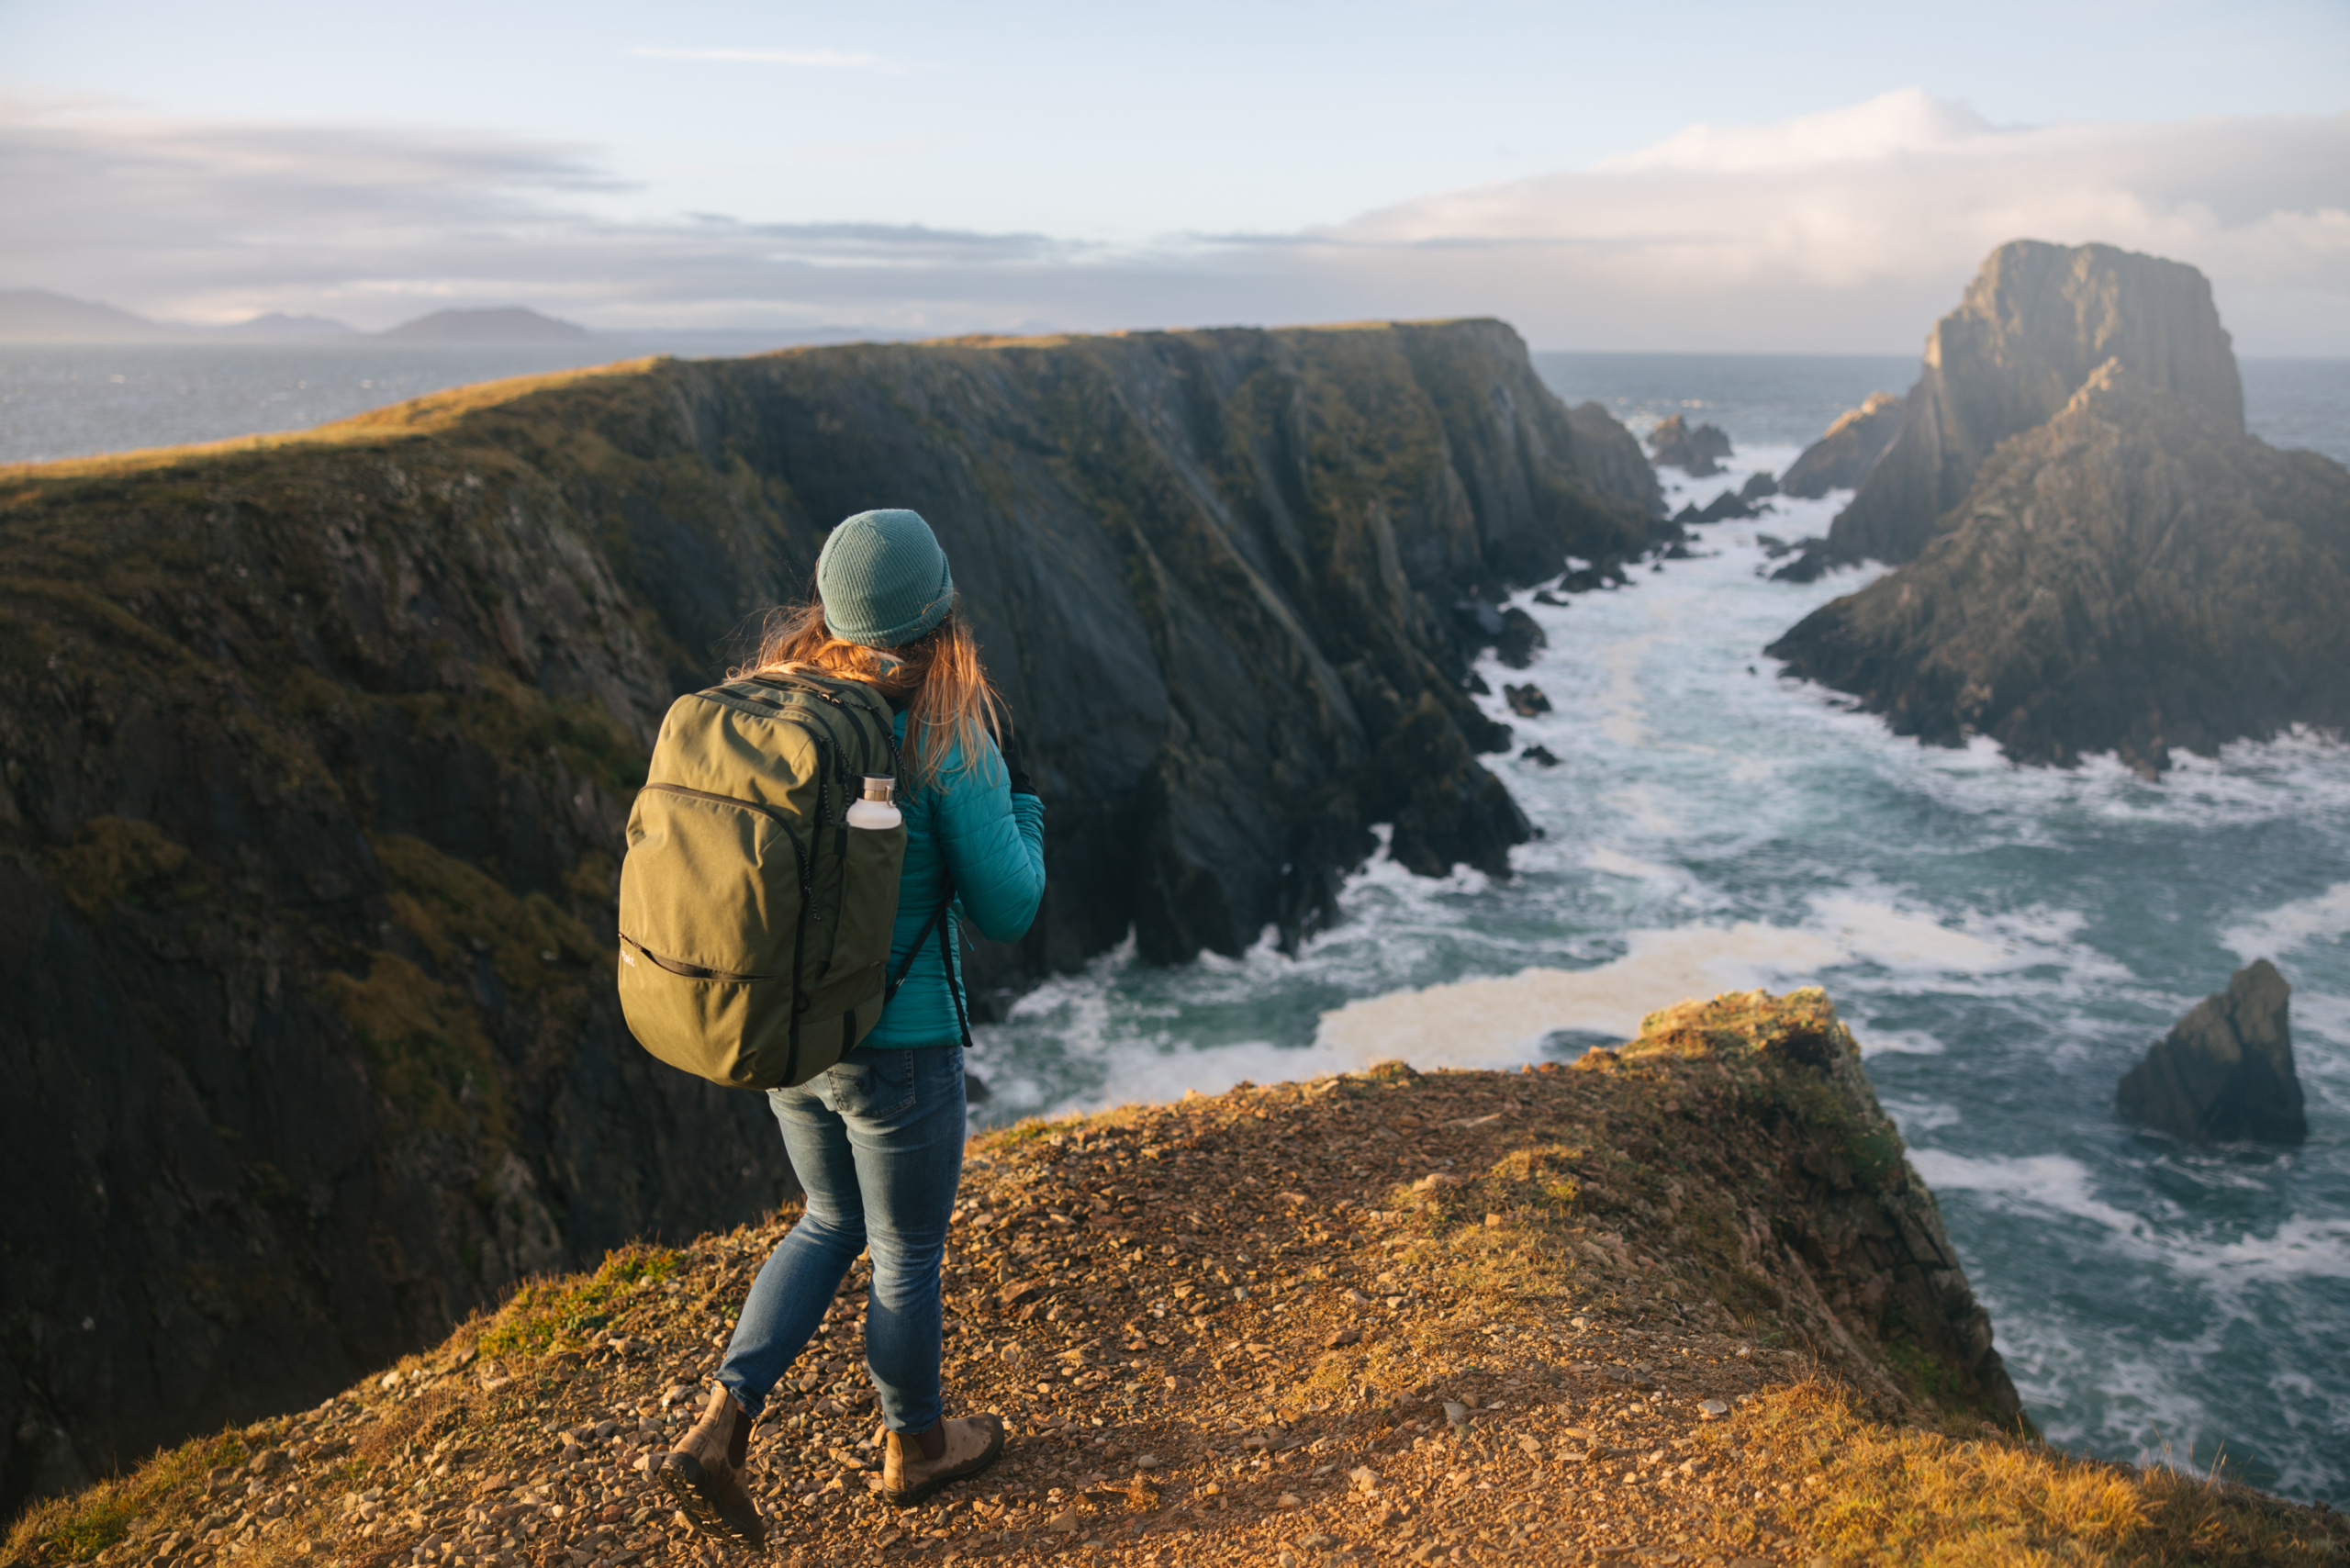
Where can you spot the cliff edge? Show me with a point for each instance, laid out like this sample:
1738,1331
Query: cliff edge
1684,1301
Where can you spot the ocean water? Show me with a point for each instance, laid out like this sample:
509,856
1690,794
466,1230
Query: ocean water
2006,942
1790,398
80,399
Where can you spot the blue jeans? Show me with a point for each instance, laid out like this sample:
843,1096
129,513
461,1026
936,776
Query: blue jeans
878,1143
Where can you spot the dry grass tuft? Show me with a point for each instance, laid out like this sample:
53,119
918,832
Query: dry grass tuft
1864,1491
76,1529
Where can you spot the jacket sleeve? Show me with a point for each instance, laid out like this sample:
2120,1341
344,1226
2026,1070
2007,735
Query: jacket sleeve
994,844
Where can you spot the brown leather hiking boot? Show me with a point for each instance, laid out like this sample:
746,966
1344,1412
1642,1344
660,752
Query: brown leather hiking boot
704,1472
914,1467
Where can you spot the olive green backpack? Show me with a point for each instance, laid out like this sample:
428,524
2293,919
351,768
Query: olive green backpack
755,921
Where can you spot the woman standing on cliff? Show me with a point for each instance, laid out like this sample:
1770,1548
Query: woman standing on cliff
877,1139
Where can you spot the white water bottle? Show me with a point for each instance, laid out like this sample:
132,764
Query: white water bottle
876,809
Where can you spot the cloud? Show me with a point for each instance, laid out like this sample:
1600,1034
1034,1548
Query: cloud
1846,230
1906,121
1856,228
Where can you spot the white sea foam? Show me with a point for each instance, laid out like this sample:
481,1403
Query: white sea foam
1874,1041
2051,1182
2304,1247
1494,1020
2059,1184
2289,927
1900,940
1603,858
1915,1116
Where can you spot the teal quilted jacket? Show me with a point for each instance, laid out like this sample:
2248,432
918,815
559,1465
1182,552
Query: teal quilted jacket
970,822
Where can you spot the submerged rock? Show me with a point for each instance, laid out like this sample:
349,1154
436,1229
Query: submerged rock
1526,700
1744,502
1812,559
2136,575
2034,324
1841,459
2225,1072
1521,635
1678,444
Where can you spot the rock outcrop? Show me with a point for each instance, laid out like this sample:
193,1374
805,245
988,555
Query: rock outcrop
1841,458
1745,502
1855,1250
315,753
2224,1074
1610,460
1675,444
2133,576
2034,324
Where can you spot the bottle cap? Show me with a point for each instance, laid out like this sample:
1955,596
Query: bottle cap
880,789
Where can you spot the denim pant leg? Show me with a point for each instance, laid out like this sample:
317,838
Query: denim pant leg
906,1122
802,1275
878,1143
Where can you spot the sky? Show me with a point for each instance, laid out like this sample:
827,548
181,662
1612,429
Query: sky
1704,176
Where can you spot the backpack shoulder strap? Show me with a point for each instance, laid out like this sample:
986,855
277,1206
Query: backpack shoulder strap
944,927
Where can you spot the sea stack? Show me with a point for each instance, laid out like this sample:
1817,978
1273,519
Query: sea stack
2034,325
2134,576
2224,1074
1841,458
1693,449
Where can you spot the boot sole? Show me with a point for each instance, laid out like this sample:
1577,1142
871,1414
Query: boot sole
683,1478
930,1488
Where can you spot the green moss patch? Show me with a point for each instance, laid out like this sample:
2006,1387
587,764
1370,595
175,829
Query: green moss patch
430,1051
544,1313
113,860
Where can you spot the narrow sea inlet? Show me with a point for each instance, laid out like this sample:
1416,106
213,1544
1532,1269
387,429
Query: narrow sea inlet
2004,942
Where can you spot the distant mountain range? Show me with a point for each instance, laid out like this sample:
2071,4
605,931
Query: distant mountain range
39,316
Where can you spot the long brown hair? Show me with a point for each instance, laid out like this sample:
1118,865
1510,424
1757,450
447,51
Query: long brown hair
937,680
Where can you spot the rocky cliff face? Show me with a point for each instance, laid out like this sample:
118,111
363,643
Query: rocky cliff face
2033,325
1842,457
316,755
1610,459
1848,1242
2226,1071
2135,575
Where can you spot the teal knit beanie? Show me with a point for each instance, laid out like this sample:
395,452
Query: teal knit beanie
883,580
